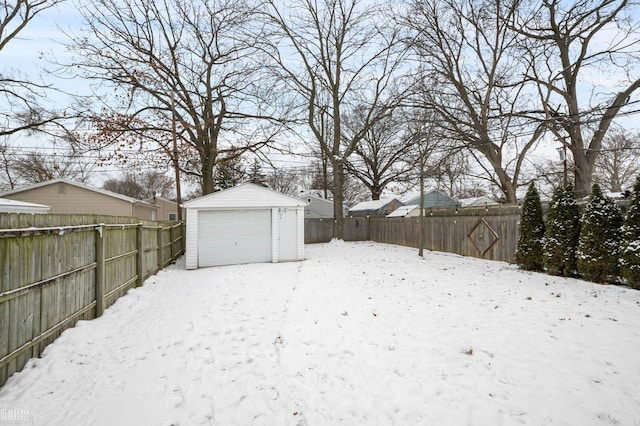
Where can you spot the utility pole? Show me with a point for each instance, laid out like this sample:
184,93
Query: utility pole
176,167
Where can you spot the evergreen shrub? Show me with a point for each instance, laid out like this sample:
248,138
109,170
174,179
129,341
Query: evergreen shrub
600,238
530,243
562,233
630,254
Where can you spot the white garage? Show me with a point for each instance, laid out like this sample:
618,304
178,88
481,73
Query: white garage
244,224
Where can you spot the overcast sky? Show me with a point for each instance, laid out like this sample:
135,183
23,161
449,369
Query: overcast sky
42,41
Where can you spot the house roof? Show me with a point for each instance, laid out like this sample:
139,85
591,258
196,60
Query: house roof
79,185
372,205
477,201
441,195
15,206
156,198
402,211
245,195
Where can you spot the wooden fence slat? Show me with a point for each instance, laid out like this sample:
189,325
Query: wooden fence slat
139,255
444,230
58,269
100,272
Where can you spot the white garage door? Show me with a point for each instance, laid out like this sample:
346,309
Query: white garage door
232,237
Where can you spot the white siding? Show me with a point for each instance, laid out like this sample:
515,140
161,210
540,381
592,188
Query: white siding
300,229
236,202
191,255
275,232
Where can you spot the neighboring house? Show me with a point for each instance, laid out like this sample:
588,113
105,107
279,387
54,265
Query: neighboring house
374,208
482,201
433,199
167,209
14,206
244,224
319,208
68,197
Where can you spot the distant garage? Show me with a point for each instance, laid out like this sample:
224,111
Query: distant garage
244,224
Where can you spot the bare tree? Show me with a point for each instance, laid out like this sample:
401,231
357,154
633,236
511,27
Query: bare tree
22,99
471,79
619,161
334,56
420,126
7,154
383,156
548,174
283,180
127,185
188,65
142,185
36,167
561,44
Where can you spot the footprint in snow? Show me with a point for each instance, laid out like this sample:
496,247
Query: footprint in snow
175,397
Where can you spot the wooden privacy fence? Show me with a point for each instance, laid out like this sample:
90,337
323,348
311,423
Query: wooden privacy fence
489,232
58,269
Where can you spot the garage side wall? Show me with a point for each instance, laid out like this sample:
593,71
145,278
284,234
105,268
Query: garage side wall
300,229
275,236
191,255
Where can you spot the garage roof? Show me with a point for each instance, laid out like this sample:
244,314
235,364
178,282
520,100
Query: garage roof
244,195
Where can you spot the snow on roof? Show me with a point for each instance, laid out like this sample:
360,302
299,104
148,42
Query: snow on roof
15,206
477,201
614,195
402,211
409,196
372,205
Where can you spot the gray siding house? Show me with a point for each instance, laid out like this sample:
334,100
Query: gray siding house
434,199
318,207
68,197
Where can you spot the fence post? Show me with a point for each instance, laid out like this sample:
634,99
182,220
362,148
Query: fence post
183,235
171,228
100,273
140,254
159,255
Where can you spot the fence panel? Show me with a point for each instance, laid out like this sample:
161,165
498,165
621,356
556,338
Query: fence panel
50,268
120,261
318,230
486,232
150,250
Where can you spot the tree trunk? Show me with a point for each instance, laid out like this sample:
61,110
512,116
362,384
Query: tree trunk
508,187
509,191
338,198
207,175
583,175
376,192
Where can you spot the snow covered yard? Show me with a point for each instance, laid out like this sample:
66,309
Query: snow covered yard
358,334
